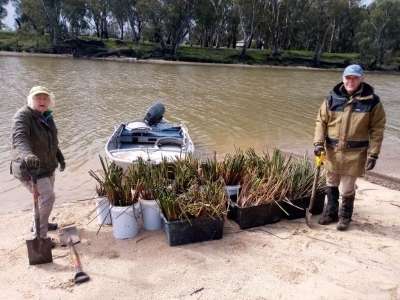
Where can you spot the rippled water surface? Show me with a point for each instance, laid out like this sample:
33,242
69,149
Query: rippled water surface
223,107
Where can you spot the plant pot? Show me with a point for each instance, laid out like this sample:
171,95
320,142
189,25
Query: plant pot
103,210
233,191
303,203
125,225
150,214
195,230
253,216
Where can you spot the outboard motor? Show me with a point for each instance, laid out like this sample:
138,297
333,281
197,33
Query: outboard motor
155,114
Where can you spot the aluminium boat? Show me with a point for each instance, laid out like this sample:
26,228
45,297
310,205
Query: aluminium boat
151,139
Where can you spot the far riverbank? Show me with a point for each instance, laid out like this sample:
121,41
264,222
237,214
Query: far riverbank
160,60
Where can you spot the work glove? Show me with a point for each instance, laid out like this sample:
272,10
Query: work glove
32,161
371,162
318,149
62,166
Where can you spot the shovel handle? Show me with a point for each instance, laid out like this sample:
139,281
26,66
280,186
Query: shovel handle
36,207
80,276
319,161
75,257
33,172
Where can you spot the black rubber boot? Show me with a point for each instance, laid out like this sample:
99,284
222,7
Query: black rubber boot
332,207
346,211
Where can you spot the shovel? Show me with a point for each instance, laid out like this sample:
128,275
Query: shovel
39,249
319,160
69,237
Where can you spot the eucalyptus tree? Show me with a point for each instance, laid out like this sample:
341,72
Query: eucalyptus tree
118,9
205,25
23,20
29,15
179,14
292,17
98,12
351,25
344,22
232,27
134,18
380,34
169,20
74,12
52,10
274,24
322,24
154,16
223,9
3,11
41,16
251,13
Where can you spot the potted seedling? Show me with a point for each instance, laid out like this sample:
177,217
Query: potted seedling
149,179
196,215
100,198
232,170
272,182
118,190
193,204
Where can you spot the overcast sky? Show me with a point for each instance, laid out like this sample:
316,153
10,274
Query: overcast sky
9,20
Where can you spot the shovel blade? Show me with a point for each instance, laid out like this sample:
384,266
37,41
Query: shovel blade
39,251
68,234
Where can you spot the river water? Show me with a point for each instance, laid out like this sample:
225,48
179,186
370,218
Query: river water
223,107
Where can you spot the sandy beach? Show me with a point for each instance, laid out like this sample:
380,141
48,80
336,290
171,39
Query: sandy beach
284,260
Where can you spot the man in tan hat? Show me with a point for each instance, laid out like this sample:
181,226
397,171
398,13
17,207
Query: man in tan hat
35,144
349,129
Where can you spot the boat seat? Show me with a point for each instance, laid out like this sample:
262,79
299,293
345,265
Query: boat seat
169,141
137,125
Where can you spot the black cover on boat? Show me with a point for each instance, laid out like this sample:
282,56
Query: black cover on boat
154,114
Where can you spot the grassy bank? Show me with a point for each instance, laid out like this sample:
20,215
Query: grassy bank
13,41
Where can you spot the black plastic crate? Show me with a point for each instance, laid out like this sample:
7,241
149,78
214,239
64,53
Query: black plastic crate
253,216
296,213
196,230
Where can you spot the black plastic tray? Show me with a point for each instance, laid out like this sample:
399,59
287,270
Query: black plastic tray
196,230
253,216
296,213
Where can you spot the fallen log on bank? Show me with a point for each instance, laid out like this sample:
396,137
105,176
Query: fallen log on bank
118,53
90,49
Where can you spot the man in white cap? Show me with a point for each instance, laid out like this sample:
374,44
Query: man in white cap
35,144
349,129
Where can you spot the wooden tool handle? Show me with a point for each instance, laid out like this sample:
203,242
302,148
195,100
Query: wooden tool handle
75,258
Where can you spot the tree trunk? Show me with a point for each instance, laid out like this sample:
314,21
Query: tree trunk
320,48
161,41
121,26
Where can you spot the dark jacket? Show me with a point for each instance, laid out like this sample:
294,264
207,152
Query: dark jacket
350,127
32,134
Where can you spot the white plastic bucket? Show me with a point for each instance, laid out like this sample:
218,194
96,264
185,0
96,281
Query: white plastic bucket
125,225
150,214
103,210
233,190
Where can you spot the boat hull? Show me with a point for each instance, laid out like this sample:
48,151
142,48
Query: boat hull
132,141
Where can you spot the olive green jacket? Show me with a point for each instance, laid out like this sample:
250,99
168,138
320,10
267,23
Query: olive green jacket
350,128
32,134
